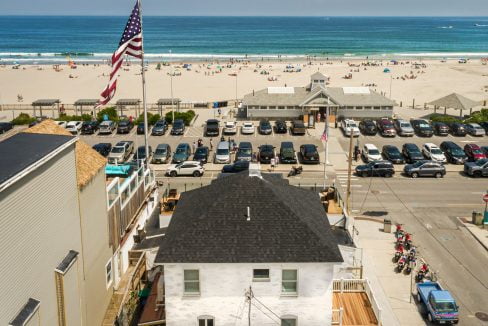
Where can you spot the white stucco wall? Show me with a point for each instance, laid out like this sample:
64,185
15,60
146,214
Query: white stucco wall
223,287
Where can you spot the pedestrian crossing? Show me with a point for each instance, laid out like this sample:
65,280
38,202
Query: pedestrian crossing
341,178
194,132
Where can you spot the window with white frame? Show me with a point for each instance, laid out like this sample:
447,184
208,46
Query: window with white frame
289,281
206,321
192,281
289,321
108,273
260,275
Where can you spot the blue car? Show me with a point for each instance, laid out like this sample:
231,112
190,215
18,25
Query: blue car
182,153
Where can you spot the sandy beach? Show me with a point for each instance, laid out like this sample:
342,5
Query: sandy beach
207,82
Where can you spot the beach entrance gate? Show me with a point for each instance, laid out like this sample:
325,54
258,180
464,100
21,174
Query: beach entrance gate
46,103
162,102
79,104
130,103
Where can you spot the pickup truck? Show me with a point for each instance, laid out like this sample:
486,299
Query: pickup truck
440,305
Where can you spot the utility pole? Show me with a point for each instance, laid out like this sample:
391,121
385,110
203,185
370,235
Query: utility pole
171,83
249,297
391,81
349,172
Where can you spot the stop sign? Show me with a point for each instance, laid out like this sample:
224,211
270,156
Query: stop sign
485,198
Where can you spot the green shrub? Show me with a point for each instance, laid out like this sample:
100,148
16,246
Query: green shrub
187,116
23,119
83,117
111,112
444,118
151,118
477,117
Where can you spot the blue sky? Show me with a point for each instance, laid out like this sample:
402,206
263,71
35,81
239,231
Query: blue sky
250,7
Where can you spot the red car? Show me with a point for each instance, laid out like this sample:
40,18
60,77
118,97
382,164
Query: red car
474,152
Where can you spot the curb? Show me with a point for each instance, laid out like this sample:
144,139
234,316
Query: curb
474,235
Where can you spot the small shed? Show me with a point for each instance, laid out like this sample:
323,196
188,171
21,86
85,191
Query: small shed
128,103
162,102
46,104
455,101
79,104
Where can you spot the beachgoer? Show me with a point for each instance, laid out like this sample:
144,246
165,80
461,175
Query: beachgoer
273,162
211,144
194,146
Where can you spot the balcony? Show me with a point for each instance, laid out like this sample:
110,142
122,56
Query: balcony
353,303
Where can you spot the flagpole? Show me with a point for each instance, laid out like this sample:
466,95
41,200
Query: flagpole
143,75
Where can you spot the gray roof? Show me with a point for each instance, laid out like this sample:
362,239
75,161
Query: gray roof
303,96
287,224
168,101
46,102
128,101
319,76
87,102
24,149
455,101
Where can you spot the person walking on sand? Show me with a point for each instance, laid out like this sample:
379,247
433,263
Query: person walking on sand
194,146
211,144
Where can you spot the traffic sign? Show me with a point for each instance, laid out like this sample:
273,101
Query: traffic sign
485,198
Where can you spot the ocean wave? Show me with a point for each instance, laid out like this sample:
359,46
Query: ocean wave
442,54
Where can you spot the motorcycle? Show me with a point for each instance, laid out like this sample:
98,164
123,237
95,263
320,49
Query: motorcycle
295,171
408,240
398,253
412,252
399,231
422,273
412,262
399,242
401,263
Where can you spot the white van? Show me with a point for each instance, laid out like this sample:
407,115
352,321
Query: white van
222,155
371,153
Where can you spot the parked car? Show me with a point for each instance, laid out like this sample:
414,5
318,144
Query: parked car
212,128
178,127
485,150
440,128
412,153
244,151
454,154
129,145
458,129
125,126
140,154
371,153
484,125
266,153
309,154
425,169
287,153
298,128
404,128
422,128
162,154
477,169
280,127
201,154
439,304
182,153
265,127
192,168
247,128
392,154
376,169
107,127
222,153
475,129
62,123
473,152
349,128
230,128
159,128
5,126
103,148
118,155
386,128
74,127
236,167
89,127
434,153
140,128
368,127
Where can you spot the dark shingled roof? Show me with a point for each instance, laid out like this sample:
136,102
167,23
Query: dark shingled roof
24,149
287,224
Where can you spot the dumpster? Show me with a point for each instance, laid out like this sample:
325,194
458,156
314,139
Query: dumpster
477,218
387,225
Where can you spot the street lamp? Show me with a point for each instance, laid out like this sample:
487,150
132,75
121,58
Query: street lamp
171,85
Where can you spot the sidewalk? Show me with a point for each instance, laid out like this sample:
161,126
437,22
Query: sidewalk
477,232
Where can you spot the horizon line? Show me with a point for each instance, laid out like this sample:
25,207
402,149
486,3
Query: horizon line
250,16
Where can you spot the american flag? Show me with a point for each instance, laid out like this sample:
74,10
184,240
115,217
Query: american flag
324,135
130,44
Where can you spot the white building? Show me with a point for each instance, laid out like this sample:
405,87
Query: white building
248,243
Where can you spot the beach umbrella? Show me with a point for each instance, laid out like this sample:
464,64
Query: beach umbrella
386,70
455,101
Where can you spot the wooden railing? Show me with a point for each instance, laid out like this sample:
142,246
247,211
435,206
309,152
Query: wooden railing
374,302
337,316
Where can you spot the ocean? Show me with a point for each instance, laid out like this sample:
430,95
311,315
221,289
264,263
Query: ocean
49,39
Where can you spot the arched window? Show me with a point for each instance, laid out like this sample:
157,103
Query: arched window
289,320
206,320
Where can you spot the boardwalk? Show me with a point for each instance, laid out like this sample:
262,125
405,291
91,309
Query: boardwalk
357,308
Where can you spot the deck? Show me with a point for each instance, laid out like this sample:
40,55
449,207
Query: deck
356,306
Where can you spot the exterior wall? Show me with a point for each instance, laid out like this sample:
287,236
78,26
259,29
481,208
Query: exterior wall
274,113
365,113
223,286
72,294
96,249
39,224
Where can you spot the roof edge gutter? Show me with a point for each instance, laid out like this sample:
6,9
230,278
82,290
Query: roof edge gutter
36,165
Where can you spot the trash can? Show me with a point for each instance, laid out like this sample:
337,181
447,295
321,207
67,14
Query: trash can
387,226
477,218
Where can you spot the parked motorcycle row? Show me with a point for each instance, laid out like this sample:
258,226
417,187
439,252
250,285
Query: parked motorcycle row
406,255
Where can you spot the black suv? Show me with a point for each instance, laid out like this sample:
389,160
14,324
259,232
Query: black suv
392,154
287,153
103,148
89,127
440,128
280,127
237,167
125,126
458,129
453,152
178,127
368,127
309,154
412,153
266,153
244,152
422,128
376,169
212,128
264,127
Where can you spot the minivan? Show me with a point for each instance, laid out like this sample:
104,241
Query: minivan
244,152
222,155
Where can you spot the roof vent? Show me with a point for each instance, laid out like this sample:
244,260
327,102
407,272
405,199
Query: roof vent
248,215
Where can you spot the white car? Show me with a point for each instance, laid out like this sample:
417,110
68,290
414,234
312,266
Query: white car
350,127
371,153
434,153
475,129
247,128
74,127
230,128
193,168
62,123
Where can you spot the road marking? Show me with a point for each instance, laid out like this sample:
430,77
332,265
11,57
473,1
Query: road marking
428,226
463,205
